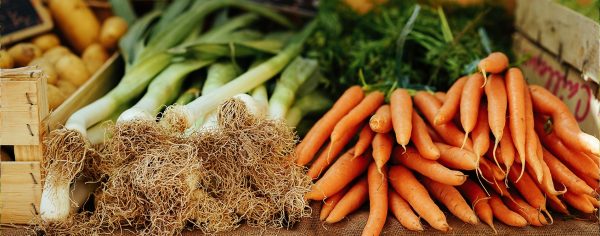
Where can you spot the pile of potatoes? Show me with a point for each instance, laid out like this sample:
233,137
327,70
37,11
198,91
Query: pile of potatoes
67,70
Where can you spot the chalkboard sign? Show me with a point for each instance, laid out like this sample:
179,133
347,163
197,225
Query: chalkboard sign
22,18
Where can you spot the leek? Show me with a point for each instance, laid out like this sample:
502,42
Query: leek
218,75
190,94
311,103
292,77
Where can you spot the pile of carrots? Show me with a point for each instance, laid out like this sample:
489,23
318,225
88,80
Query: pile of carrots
408,154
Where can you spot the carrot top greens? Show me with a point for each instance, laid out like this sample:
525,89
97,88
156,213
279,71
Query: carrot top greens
404,44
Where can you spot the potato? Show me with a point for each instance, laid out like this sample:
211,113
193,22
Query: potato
46,41
71,68
66,87
76,21
55,53
6,61
55,97
112,30
23,53
48,69
94,57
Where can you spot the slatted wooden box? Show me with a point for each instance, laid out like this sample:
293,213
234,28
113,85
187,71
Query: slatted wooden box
25,121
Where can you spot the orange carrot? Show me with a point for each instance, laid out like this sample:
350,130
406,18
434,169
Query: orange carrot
481,133
450,105
401,108
330,154
479,201
579,202
421,139
381,121
494,63
528,189
594,184
494,170
531,158
319,133
435,137
469,103
364,140
411,190
402,211
452,199
565,124
496,97
558,205
432,169
441,96
504,214
428,105
499,188
532,215
507,149
382,149
547,184
350,202
330,202
456,158
515,88
569,157
565,176
340,174
357,115
378,202
595,202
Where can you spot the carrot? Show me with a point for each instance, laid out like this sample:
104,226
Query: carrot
422,140
381,121
358,114
481,133
469,103
515,88
547,184
594,158
452,199
528,189
507,150
496,98
401,108
330,154
340,174
494,63
595,202
428,105
594,184
565,176
319,133
378,202
350,202
434,135
411,190
499,188
558,205
382,149
441,96
565,124
494,170
532,215
402,211
330,202
364,140
504,214
432,169
531,158
569,157
456,158
579,202
479,201
450,105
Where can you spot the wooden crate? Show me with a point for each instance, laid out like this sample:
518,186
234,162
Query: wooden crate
25,121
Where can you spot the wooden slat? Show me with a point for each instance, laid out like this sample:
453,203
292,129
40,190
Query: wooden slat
20,191
564,81
28,152
562,31
20,127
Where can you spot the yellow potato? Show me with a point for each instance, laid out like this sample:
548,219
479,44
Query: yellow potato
76,21
6,61
55,53
51,76
46,41
23,53
71,68
55,97
66,87
94,57
112,30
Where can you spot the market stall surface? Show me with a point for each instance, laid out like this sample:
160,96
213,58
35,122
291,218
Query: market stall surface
354,224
